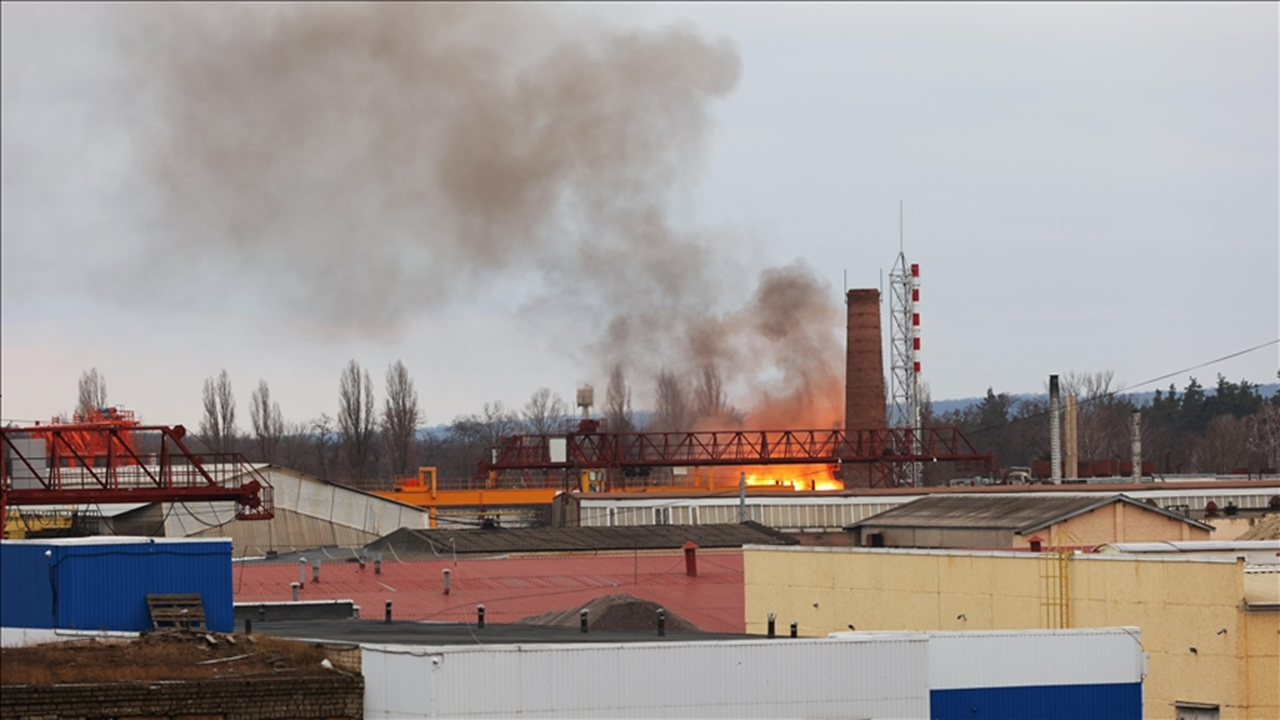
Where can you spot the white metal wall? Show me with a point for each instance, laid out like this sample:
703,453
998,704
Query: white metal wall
1035,657
314,514
874,677
834,512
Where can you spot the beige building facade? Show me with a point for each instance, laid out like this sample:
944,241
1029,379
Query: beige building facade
1211,627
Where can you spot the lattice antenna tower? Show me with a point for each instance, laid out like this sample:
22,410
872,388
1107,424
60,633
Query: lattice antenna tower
904,361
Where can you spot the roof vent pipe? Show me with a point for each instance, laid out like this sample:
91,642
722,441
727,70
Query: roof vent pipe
447,573
295,587
1137,445
582,619
1055,431
742,497
315,572
302,571
772,618
691,559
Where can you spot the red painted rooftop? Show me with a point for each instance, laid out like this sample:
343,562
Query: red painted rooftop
514,588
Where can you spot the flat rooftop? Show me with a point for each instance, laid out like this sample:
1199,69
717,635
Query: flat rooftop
378,632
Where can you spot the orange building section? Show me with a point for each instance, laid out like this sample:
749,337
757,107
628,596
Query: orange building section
1116,523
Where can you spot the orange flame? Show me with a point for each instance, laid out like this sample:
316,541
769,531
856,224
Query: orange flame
793,477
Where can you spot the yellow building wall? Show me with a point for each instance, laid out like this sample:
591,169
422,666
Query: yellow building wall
1179,605
1116,522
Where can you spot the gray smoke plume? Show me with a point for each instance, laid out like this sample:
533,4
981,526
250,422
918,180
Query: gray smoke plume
359,163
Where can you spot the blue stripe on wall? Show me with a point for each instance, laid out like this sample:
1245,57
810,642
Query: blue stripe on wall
1111,701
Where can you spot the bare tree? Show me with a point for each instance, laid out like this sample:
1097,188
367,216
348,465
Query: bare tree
1224,445
325,443
1264,434
471,438
710,401
93,392
218,426
617,404
672,412
400,418
356,422
1102,418
268,422
544,412
295,447
488,428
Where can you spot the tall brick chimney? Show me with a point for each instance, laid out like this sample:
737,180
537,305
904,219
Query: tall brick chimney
864,401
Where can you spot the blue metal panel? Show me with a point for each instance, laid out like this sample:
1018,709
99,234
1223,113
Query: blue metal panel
26,597
103,586
1111,701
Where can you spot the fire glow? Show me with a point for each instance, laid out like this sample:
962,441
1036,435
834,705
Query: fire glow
795,477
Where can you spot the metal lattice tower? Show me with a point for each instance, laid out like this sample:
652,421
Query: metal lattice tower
904,344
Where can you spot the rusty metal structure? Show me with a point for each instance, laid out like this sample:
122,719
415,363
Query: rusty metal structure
633,453
109,457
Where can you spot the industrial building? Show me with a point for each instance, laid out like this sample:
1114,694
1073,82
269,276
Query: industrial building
833,511
1048,674
1024,522
1211,626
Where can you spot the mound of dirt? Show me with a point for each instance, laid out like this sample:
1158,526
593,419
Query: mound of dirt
1267,528
614,612
160,656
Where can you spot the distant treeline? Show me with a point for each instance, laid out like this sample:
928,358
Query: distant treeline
1232,426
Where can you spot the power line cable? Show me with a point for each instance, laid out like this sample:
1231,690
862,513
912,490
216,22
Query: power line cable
1126,390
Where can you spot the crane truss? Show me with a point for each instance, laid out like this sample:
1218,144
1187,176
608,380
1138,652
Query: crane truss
623,451
102,463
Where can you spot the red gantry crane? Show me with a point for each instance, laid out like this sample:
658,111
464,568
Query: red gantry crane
107,456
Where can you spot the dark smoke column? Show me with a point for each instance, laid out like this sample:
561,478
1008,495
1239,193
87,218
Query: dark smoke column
864,403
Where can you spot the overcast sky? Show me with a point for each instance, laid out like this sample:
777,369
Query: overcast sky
1087,187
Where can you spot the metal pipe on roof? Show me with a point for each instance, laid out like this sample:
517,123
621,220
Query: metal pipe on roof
1055,431
1137,445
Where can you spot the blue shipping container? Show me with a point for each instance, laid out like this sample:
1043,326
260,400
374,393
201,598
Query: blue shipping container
102,583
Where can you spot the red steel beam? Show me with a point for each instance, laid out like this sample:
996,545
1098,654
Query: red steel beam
92,462
742,447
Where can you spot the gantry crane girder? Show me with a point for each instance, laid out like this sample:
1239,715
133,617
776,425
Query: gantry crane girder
592,450
100,462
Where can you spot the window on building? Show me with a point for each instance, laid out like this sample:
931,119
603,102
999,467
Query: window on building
1195,711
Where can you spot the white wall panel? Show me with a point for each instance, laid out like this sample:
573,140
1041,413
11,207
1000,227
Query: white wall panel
873,677
1034,657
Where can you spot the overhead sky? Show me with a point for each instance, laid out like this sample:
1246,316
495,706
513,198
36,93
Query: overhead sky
516,196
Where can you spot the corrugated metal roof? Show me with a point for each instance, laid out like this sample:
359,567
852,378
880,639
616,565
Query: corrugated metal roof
1020,514
513,588
413,543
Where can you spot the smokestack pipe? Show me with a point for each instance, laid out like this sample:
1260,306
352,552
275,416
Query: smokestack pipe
1137,445
1070,438
1055,432
864,399
742,497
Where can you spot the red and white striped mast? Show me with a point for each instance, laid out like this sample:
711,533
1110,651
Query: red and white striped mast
904,340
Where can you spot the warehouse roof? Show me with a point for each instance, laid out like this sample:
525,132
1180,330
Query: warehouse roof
513,588
1019,513
407,543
